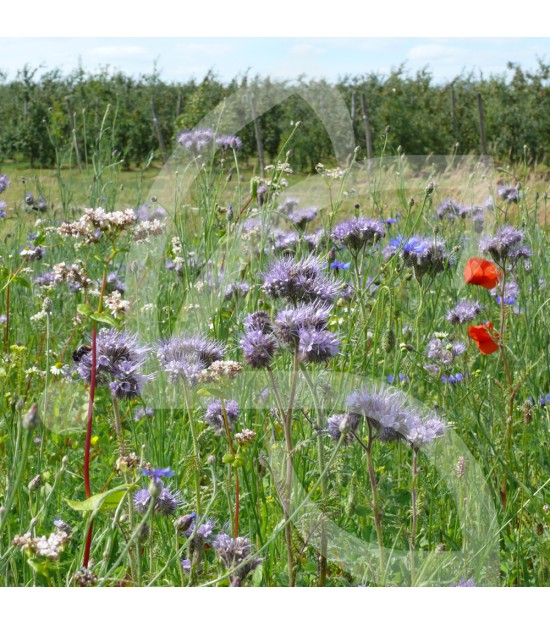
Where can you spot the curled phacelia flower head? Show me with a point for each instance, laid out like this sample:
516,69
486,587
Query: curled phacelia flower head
185,358
464,311
506,245
235,553
339,425
290,321
215,412
258,348
119,359
4,182
356,232
300,281
444,352
425,255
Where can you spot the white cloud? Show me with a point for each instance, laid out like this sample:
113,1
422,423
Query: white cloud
305,49
435,52
119,52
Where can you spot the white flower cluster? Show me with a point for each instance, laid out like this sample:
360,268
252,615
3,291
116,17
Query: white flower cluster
145,229
50,547
96,221
74,274
117,305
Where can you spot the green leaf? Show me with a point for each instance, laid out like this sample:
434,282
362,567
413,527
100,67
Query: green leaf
22,281
257,575
102,501
84,309
103,318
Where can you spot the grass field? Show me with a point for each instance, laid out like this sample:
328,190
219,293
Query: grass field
274,382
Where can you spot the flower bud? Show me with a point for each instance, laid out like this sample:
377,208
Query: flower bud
31,420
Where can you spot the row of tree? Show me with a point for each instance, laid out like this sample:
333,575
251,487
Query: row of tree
43,115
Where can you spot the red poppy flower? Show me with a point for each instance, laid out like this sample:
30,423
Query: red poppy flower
482,272
484,337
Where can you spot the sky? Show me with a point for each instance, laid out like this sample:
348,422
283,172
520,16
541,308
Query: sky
179,59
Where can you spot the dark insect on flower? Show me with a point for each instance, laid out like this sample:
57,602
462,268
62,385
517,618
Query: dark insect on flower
119,359
80,352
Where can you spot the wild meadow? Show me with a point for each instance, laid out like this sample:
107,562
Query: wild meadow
216,376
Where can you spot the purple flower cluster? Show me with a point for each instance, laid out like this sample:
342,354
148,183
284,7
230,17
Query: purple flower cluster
444,352
214,415
300,281
119,359
390,414
183,357
425,255
196,140
505,245
229,142
166,504
464,311
342,424
3,207
450,209
300,217
305,329
509,193
4,182
511,292
235,554
355,233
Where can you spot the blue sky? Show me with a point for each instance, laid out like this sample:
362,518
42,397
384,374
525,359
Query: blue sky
182,58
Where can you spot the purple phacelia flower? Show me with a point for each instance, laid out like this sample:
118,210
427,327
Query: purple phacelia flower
505,245
300,281
214,415
509,193
184,357
196,140
464,311
316,345
119,359
300,217
450,209
229,142
235,555
289,322
345,424
464,583
355,233
4,182
444,352
258,320
258,348
511,292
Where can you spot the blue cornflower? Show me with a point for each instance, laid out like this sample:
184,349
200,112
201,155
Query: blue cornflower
158,474
338,264
454,378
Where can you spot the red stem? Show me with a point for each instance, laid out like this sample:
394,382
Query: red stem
89,441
